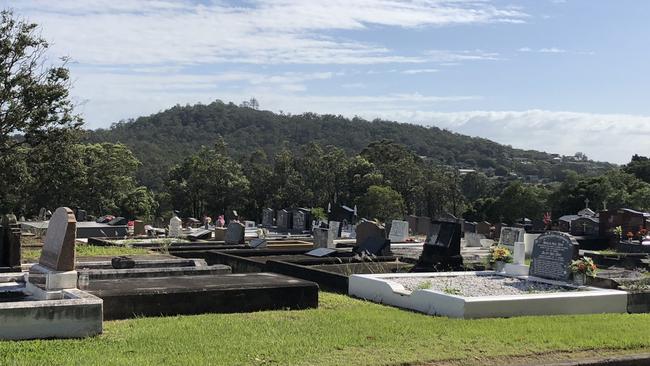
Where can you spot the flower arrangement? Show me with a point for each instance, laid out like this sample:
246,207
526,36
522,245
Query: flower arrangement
499,254
584,265
618,231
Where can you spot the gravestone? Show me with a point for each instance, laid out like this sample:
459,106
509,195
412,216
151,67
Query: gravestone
399,231
175,227
258,243
58,250
267,217
469,227
301,221
519,254
9,244
483,227
138,228
552,254
250,224
320,252
219,233
473,240
41,213
511,235
231,215
81,215
200,235
424,225
118,221
371,239
336,227
323,238
413,223
283,220
235,233
441,250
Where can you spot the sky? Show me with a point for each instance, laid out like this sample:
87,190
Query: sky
560,76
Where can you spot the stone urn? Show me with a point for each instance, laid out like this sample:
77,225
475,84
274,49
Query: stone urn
499,266
580,279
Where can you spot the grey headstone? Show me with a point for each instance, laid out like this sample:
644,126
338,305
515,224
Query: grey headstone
58,250
511,235
424,225
552,254
267,217
235,233
473,239
336,227
371,238
323,238
399,231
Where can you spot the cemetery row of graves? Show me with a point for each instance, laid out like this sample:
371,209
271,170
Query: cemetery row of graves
442,267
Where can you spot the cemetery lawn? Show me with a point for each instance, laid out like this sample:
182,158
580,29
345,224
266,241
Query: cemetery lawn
83,250
343,331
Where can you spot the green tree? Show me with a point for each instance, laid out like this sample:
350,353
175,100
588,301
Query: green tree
382,203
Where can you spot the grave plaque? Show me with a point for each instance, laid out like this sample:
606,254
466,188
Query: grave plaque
235,233
58,249
399,231
258,243
320,252
511,235
553,252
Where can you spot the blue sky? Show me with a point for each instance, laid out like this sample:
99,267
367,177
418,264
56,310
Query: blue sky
552,75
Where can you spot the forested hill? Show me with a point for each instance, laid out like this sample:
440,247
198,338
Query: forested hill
165,138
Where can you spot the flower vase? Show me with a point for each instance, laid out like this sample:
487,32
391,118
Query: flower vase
580,279
499,265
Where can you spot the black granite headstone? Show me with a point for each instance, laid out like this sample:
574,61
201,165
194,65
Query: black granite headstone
552,254
441,250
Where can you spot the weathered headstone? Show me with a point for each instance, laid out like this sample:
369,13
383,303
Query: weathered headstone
267,217
175,227
58,250
323,238
469,227
483,227
235,233
473,240
552,254
511,235
399,231
220,233
41,213
371,238
336,227
138,228
519,254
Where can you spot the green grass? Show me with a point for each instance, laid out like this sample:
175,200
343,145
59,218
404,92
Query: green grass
342,331
82,250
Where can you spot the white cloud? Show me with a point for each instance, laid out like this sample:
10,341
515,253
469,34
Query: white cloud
160,32
419,71
605,137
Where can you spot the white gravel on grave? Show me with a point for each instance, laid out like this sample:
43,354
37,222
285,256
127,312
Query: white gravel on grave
475,286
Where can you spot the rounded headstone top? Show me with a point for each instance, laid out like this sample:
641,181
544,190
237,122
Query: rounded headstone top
58,249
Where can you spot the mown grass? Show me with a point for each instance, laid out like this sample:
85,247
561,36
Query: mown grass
84,250
342,331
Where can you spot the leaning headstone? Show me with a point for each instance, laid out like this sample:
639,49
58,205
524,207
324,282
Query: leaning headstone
552,254
323,238
371,238
511,235
399,231
58,250
201,234
175,227
138,228
441,249
235,233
